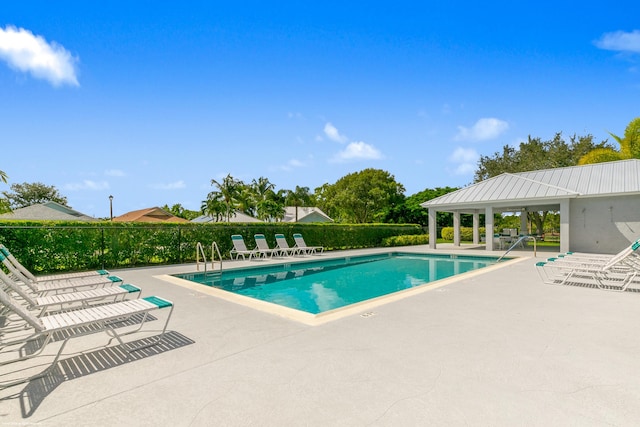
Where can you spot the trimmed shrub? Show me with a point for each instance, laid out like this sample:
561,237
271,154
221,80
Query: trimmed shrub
406,240
466,233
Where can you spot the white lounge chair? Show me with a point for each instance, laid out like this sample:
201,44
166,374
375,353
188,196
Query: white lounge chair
68,284
69,299
262,246
283,246
632,260
49,277
105,318
303,247
617,273
240,248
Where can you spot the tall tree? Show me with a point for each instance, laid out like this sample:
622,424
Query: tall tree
301,196
629,147
262,188
536,154
27,194
410,211
214,206
270,210
227,191
5,205
361,197
245,199
179,211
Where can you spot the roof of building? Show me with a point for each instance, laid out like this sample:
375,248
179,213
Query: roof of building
305,214
600,179
154,214
48,211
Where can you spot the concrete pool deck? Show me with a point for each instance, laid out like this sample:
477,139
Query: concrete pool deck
496,348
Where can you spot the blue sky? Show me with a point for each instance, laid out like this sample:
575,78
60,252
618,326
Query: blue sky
149,101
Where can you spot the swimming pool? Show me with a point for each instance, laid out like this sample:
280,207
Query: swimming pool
317,287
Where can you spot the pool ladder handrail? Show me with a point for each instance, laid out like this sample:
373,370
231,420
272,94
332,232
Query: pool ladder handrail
518,241
200,251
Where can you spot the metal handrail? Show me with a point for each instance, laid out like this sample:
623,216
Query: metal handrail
518,241
199,251
214,245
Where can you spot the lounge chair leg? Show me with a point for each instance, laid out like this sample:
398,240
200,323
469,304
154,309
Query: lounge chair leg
157,341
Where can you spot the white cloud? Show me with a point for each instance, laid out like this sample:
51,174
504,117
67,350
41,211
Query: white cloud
170,186
292,164
26,52
484,129
466,160
620,41
87,185
114,172
333,134
358,151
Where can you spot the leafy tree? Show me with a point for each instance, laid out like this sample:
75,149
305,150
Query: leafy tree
214,206
629,147
324,200
360,197
179,211
410,211
245,199
27,194
268,205
262,188
270,210
301,196
5,206
536,154
227,191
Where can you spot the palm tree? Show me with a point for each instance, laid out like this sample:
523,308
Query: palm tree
299,197
262,188
270,210
214,207
245,200
228,190
629,147
5,205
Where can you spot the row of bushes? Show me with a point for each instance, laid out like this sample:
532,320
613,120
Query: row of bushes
406,240
57,246
466,233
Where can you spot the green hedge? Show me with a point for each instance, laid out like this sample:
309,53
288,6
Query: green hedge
58,246
406,240
466,233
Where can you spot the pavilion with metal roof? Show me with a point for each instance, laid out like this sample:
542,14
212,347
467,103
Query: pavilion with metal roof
599,204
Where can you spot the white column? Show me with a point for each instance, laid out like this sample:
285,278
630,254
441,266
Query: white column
456,228
433,230
488,224
476,228
564,226
524,223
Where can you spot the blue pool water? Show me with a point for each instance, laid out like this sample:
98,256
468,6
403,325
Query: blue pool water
319,286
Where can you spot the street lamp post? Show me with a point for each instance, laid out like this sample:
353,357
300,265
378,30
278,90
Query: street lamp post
110,208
